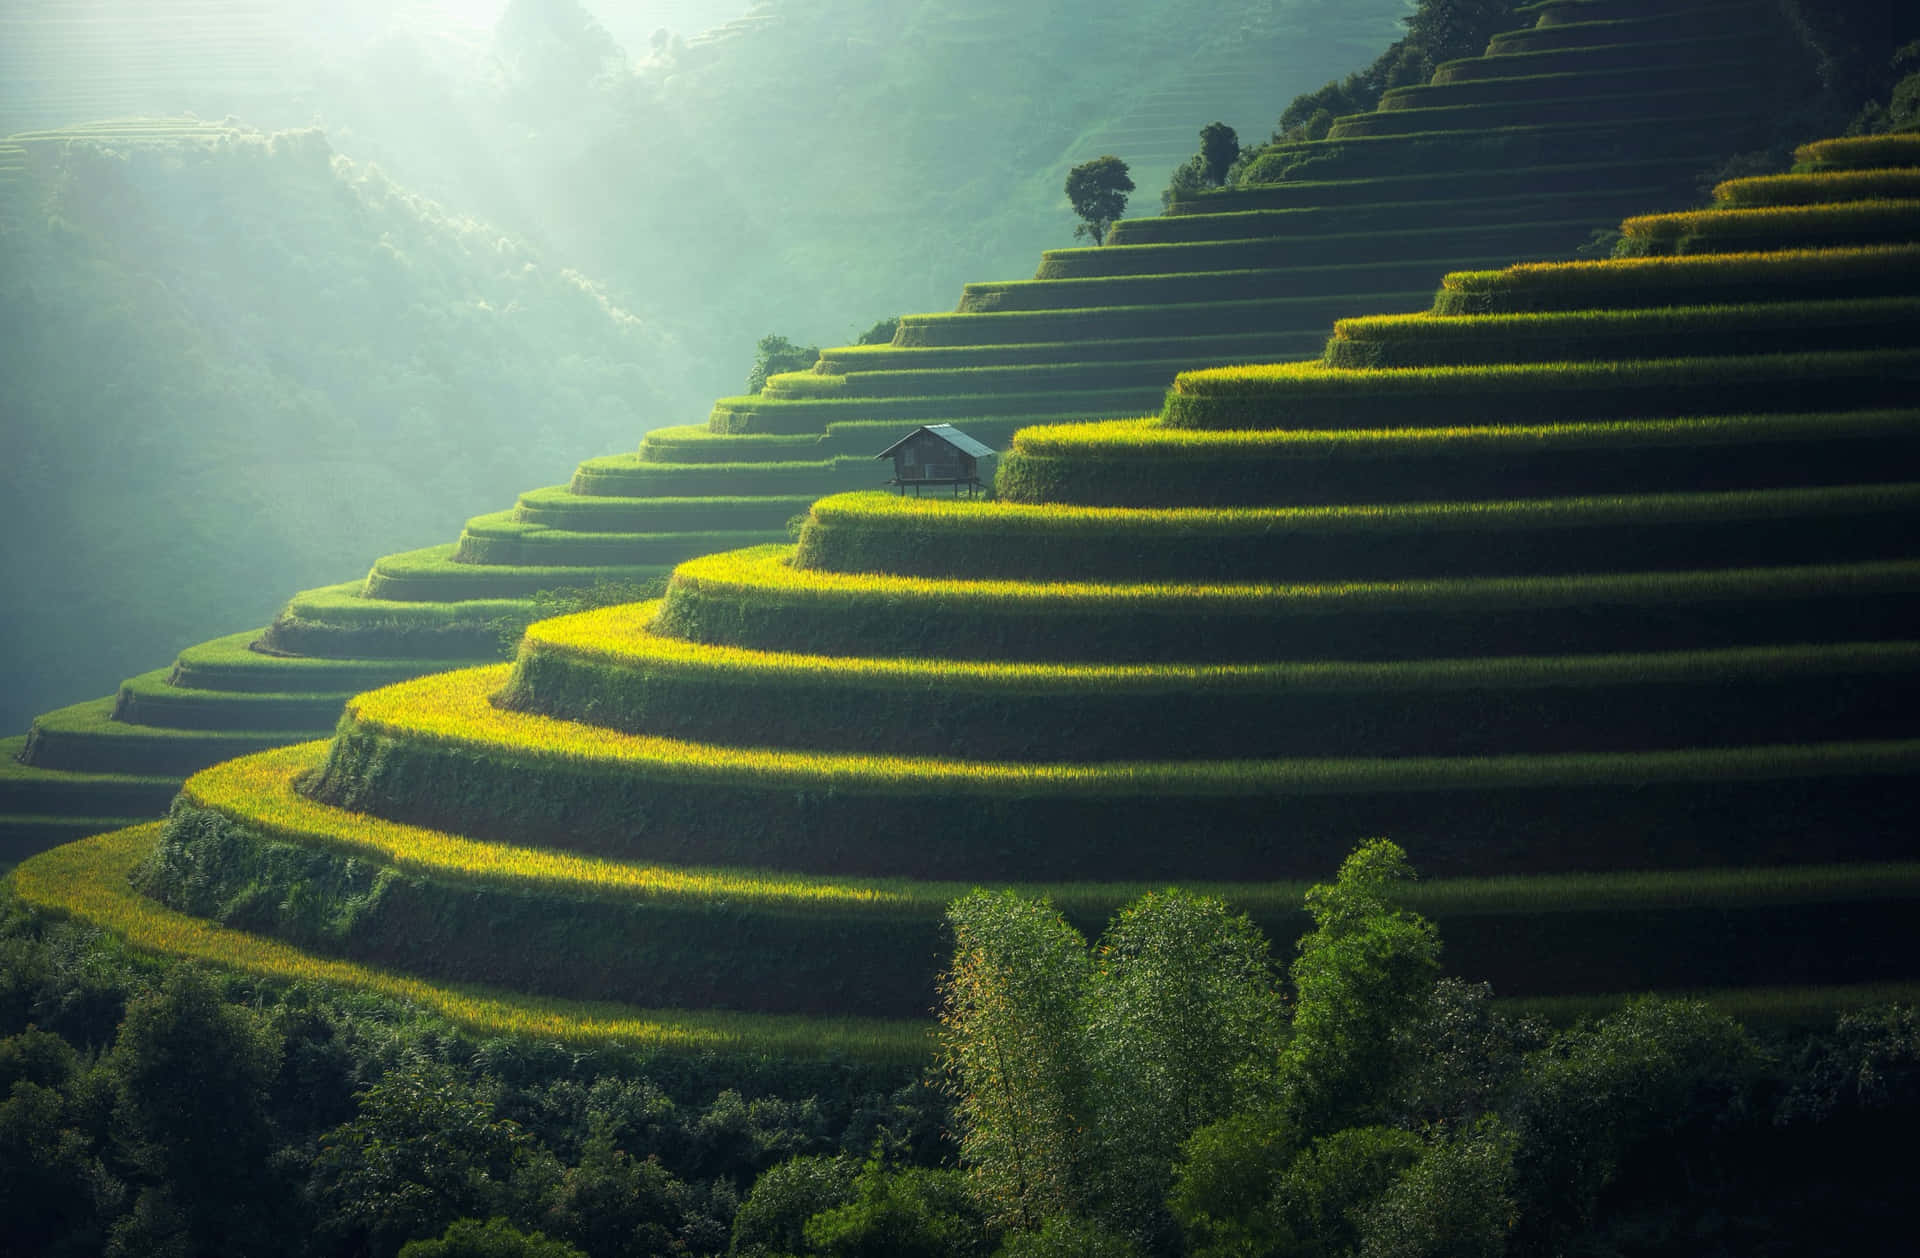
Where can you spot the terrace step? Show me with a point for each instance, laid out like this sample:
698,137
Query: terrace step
629,476
1619,108
1755,47
755,600
1295,282
231,664
609,669
761,414
1196,318
1142,464
1298,396
431,574
1542,179
501,777
559,508
882,534
659,933
1590,206
337,622
32,791
501,540
1617,335
84,738
1356,249
150,699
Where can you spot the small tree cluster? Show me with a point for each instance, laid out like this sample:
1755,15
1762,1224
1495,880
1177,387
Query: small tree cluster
1098,191
1208,168
776,354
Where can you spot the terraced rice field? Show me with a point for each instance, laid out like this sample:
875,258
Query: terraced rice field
1249,275
1588,583
1658,738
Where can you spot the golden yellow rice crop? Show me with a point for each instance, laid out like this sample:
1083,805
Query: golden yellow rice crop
88,880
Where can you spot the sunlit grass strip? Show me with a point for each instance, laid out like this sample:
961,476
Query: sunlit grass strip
1204,286
696,443
506,542
860,358
1574,179
1524,88
763,414
1418,212
229,664
1614,107
1150,439
1314,395
633,475
344,605
1427,339
154,699
1299,248
1824,188
1858,152
765,570
996,382
88,880
85,738
1727,230
557,508
1132,322
454,710
624,638
1592,32
30,789
1690,279
432,575
1039,524
258,793
1645,53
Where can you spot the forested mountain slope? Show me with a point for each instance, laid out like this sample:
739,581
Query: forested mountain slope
233,357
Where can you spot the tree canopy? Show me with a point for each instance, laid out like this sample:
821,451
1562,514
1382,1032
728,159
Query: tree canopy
1098,190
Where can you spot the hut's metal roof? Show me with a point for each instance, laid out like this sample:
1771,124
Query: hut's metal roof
947,433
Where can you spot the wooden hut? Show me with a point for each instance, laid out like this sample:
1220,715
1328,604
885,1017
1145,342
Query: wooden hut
936,454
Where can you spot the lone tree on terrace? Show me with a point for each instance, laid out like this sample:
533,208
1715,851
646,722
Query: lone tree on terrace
1098,190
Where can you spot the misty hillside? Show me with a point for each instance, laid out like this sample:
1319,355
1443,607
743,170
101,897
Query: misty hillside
244,356
821,163
729,166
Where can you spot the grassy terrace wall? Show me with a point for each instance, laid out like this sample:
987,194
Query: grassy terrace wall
1477,682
